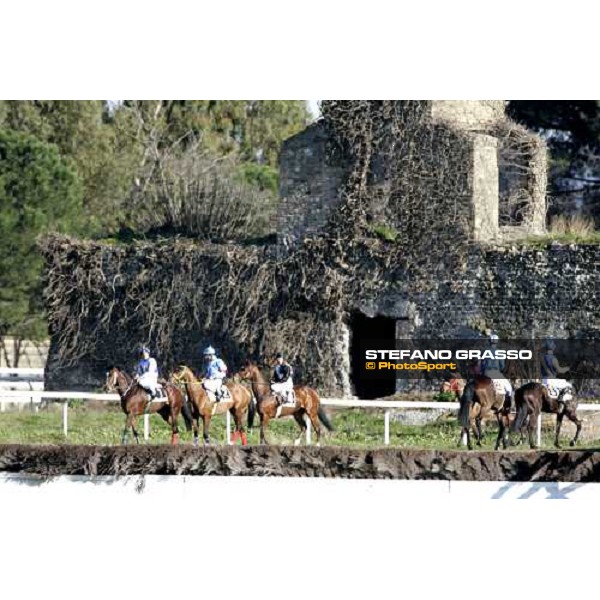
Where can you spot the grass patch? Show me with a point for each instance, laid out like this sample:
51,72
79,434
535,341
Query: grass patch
353,427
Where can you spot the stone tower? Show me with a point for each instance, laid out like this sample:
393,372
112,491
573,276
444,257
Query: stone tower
505,180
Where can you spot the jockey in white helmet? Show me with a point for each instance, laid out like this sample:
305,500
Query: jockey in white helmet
213,373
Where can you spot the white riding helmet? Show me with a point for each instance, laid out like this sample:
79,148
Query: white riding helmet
493,338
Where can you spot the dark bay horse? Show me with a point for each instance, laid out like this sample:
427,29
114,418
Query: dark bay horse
532,399
307,404
240,401
481,391
134,402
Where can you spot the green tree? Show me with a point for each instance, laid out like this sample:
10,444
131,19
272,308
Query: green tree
39,191
572,131
83,132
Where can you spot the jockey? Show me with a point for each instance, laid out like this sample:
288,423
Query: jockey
550,368
213,373
494,367
282,384
146,372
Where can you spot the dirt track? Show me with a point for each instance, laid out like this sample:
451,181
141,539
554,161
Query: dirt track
381,463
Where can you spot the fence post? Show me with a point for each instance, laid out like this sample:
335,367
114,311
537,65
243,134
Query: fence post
228,428
146,426
386,428
308,426
539,431
65,417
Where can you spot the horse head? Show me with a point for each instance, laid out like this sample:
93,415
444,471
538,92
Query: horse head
249,370
116,380
183,375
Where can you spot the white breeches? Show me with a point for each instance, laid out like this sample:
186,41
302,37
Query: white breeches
212,385
149,381
500,382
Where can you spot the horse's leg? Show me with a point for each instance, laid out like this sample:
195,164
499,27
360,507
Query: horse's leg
264,423
572,416
531,426
299,416
240,433
501,431
206,428
559,418
125,433
314,420
236,422
174,427
135,433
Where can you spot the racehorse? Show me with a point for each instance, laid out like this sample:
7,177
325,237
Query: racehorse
240,401
134,402
532,399
307,404
481,391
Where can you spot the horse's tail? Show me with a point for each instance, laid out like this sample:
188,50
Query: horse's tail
324,419
466,400
251,410
521,412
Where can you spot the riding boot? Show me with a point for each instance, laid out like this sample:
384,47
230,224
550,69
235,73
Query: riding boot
508,399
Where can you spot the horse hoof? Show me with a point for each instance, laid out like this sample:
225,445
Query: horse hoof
571,443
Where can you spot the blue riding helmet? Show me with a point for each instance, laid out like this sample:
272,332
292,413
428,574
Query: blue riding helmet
209,350
145,349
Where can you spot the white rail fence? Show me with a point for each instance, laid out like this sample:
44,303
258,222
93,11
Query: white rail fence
24,397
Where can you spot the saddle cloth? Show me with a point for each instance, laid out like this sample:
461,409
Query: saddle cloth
283,398
161,394
498,386
225,395
554,392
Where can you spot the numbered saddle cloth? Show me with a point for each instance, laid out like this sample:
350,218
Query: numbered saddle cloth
161,394
225,395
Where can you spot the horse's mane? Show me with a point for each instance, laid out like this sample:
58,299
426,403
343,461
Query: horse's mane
122,371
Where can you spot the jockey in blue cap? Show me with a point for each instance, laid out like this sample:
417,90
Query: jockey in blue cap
558,388
281,381
146,372
213,373
494,367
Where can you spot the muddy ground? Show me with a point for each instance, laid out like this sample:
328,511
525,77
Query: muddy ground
290,461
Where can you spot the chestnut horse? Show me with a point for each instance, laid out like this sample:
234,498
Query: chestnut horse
532,399
307,405
481,391
202,406
134,402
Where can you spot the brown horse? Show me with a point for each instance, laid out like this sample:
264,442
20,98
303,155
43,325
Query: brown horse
202,406
307,405
456,385
481,391
532,399
134,402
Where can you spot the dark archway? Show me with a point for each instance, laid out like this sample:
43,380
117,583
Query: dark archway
371,329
